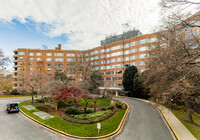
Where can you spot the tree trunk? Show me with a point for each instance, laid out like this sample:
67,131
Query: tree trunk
189,109
85,108
95,105
189,115
32,96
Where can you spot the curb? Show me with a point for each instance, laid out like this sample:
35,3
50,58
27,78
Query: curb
170,126
108,136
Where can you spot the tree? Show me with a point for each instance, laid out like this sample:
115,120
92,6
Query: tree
94,82
128,79
5,83
3,60
174,68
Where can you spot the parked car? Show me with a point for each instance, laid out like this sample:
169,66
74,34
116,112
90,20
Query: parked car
13,107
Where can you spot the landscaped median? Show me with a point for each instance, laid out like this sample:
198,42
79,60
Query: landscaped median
109,127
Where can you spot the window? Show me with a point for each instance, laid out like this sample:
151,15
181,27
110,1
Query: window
144,55
133,64
48,54
152,39
133,57
70,60
20,58
145,48
126,45
49,64
142,63
194,33
102,67
58,59
21,53
116,53
116,47
58,54
31,69
143,41
133,50
102,56
126,59
96,57
38,59
31,64
102,62
102,50
31,54
59,64
70,54
48,59
49,69
38,54
31,59
96,52
126,52
133,43
91,58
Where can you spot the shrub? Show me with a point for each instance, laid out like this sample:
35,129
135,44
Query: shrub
73,111
111,107
119,105
89,111
61,104
40,100
103,108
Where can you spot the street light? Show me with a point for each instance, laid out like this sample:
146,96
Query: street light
171,103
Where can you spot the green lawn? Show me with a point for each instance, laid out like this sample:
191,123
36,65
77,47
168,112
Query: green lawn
182,116
13,96
103,102
84,130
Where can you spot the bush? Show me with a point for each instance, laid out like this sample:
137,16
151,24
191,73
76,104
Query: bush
89,111
73,111
111,107
40,100
61,104
103,108
119,105
15,93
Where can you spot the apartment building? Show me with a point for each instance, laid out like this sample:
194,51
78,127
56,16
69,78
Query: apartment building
111,58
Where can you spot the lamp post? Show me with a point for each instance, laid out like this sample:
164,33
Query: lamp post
171,103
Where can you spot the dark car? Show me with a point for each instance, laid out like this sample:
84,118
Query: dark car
13,107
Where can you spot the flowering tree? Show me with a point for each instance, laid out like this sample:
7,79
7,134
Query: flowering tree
72,95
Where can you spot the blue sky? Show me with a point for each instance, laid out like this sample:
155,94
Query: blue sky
15,35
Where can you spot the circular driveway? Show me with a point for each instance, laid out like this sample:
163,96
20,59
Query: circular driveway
15,126
144,122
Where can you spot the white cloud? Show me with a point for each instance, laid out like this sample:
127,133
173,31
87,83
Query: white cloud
86,22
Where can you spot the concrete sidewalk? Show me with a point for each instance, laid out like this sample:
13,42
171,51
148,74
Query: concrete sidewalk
182,132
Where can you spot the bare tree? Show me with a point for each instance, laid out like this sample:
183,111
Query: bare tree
3,60
174,62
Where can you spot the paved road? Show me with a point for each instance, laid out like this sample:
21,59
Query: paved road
14,126
144,122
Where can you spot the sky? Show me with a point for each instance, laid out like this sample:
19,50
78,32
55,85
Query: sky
76,24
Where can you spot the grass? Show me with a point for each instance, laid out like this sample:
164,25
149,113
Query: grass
103,102
83,130
13,96
195,130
